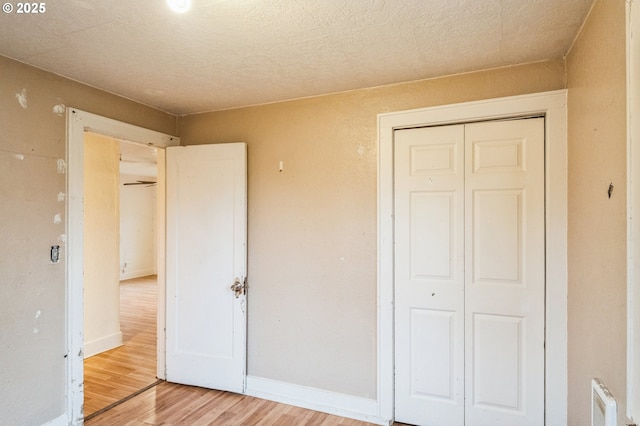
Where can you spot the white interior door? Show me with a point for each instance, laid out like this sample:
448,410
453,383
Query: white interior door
429,275
206,254
504,280
480,243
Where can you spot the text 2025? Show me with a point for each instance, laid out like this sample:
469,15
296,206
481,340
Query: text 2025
31,7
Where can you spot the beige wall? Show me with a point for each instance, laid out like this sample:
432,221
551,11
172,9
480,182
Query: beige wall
32,292
101,244
312,227
597,224
138,239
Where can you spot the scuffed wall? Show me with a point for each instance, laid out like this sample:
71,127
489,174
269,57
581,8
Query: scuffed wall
312,226
32,218
32,339
596,77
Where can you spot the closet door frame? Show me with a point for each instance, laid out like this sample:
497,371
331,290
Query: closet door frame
551,105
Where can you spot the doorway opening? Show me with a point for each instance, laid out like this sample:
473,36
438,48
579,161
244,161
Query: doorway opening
79,123
121,286
189,189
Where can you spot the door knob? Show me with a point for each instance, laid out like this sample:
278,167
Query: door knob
239,287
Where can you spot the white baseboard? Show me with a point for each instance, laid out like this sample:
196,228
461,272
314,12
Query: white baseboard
60,421
342,405
138,274
103,344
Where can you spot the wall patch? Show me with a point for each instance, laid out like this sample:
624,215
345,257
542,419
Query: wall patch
35,321
62,166
59,109
22,98
57,219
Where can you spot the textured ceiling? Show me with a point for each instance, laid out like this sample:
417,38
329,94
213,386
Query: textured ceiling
232,53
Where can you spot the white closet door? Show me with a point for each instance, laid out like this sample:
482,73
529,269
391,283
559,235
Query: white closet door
504,273
469,274
429,276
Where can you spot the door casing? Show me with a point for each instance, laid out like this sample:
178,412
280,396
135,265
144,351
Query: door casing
77,123
551,105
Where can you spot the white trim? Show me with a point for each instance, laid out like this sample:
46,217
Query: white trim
633,201
553,106
59,421
77,123
338,404
161,252
602,401
102,344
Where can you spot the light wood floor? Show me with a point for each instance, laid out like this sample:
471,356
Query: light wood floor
169,404
118,373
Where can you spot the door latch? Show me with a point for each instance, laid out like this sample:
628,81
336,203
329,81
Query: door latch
239,287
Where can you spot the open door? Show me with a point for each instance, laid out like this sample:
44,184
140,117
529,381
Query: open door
206,266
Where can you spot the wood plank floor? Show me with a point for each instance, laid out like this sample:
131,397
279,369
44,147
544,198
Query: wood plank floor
169,404
118,373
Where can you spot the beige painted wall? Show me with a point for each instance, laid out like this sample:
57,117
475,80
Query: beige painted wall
312,227
32,293
101,244
138,239
597,224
